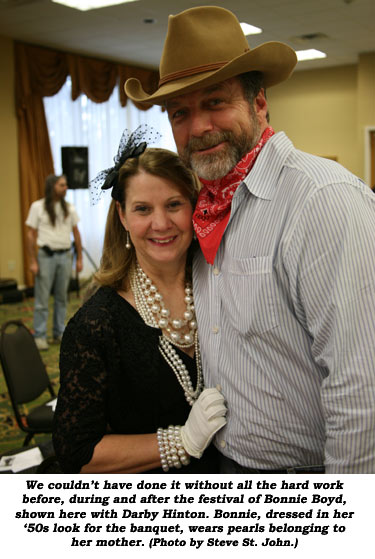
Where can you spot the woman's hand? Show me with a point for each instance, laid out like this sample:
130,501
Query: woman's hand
206,417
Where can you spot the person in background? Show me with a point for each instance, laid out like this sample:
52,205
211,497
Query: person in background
51,221
131,393
284,283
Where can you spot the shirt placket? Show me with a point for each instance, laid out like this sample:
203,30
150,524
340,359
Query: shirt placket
215,278
215,318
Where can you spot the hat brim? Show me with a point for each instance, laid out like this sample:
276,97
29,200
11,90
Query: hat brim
275,60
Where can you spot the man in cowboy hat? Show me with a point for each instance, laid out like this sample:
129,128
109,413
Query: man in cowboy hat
284,286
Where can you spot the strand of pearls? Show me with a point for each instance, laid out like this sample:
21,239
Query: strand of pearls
165,346
182,374
171,449
153,311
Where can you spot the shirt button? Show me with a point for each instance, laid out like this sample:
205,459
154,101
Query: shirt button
215,329
216,271
223,443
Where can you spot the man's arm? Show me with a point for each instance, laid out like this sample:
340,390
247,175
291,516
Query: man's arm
32,249
335,258
78,246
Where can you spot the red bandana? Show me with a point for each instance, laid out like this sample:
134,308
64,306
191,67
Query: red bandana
212,211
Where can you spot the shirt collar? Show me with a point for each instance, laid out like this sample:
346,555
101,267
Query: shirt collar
262,179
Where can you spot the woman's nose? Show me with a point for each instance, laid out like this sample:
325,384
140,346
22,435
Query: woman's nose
160,220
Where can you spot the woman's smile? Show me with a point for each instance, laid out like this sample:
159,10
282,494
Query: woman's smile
163,242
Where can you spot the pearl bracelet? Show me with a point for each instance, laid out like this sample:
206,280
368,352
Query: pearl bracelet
171,449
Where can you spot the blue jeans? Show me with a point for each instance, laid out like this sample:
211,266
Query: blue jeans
53,271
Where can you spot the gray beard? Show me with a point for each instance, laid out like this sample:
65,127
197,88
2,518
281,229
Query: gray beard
213,166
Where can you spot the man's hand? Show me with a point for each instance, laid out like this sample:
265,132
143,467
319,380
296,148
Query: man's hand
79,265
34,268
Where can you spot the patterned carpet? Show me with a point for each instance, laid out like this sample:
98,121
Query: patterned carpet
11,436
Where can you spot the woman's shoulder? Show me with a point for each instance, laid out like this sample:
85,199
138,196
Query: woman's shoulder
107,315
97,311
105,308
100,296
103,296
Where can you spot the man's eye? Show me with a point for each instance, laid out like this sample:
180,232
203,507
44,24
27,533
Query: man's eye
214,102
178,114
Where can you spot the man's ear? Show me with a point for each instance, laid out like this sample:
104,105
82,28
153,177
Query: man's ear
260,105
121,214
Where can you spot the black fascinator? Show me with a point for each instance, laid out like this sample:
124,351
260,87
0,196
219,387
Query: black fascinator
131,145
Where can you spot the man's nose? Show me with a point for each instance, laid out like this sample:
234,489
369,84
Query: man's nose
200,124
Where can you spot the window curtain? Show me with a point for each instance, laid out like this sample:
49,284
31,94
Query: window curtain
41,72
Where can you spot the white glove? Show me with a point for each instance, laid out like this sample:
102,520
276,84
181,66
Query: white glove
205,419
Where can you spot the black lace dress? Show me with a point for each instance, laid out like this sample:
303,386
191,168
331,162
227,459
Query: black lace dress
113,379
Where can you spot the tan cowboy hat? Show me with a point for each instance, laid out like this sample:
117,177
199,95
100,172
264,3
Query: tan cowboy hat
205,46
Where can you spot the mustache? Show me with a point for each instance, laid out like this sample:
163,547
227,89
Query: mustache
208,140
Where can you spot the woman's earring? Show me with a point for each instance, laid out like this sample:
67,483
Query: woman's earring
128,244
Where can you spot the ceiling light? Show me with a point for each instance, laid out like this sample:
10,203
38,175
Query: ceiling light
250,29
310,54
84,5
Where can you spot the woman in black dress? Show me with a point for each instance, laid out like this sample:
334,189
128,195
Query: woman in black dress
131,393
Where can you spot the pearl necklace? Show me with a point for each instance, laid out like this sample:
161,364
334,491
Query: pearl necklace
151,307
146,304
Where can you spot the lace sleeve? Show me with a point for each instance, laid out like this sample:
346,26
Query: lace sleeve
80,420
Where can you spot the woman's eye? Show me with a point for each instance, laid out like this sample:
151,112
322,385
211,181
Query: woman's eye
175,204
141,209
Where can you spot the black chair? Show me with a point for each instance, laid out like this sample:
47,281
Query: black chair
26,378
49,465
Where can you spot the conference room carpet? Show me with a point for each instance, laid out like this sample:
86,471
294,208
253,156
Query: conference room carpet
11,436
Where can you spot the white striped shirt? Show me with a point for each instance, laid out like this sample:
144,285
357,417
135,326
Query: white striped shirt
286,316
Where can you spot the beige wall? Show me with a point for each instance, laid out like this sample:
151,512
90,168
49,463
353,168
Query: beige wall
318,111
11,260
365,100
323,112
